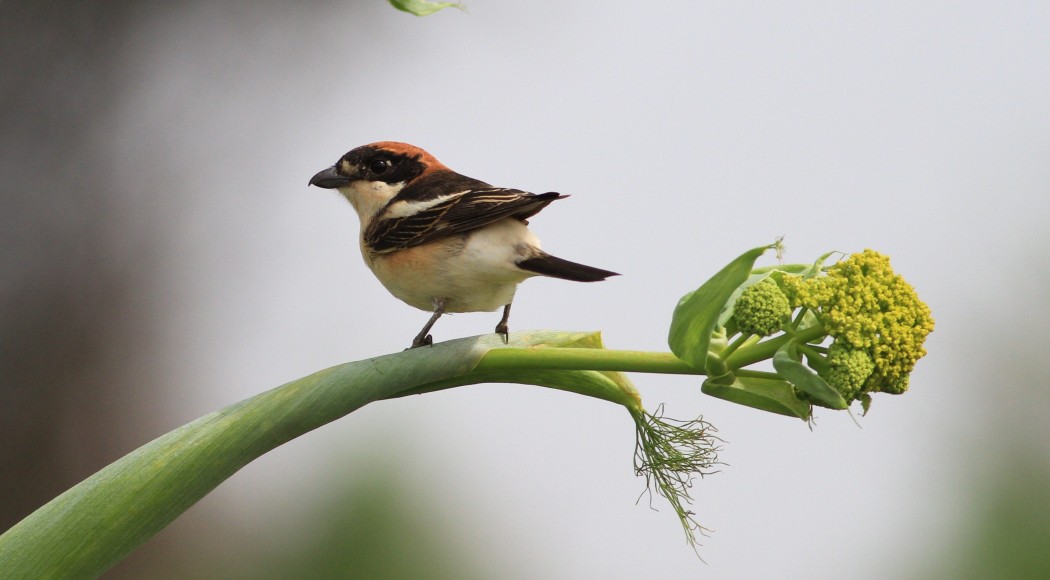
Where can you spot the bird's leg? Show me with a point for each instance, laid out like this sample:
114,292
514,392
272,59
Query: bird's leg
423,338
501,328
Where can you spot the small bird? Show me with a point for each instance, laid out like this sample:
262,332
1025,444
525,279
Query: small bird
441,241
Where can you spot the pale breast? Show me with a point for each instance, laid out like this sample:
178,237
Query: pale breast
474,272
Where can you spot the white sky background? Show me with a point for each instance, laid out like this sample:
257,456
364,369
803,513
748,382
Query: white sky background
686,132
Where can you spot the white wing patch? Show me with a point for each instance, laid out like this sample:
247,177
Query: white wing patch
403,209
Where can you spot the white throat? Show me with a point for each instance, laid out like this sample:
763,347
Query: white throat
369,197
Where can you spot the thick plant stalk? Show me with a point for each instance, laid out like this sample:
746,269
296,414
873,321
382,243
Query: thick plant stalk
90,527
93,525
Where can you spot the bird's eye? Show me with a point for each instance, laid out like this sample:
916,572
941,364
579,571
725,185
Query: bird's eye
379,166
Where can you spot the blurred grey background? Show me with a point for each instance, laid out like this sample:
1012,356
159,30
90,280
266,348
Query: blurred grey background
161,256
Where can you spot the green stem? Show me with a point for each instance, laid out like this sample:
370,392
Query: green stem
503,359
733,346
84,531
748,373
631,361
798,317
817,361
765,350
90,527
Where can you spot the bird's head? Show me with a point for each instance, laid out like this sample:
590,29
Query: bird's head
371,175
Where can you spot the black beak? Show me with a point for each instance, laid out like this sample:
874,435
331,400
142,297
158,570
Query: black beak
329,179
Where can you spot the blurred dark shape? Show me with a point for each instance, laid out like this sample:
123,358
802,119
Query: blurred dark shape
68,272
1007,472
1008,525
77,322
372,529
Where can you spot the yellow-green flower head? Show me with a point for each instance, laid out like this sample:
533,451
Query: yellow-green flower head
863,303
848,369
762,309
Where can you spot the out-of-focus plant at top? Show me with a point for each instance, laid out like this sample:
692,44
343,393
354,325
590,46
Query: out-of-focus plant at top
423,7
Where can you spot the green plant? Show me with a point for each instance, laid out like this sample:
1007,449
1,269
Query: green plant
423,7
858,326
91,526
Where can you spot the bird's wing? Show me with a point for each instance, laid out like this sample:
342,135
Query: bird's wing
406,224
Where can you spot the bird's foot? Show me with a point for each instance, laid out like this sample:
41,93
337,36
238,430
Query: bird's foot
502,330
419,341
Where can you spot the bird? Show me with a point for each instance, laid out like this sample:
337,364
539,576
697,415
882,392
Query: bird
440,241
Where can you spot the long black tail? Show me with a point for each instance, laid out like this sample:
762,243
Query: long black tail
549,265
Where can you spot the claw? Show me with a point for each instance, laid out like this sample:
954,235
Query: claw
504,332
502,328
427,340
424,339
